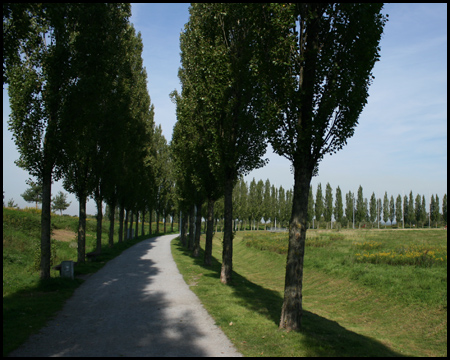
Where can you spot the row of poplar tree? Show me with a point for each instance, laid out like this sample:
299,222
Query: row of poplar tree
260,202
81,112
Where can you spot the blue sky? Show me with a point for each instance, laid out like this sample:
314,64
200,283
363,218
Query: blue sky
400,144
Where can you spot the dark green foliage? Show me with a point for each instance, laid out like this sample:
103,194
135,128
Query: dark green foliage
338,207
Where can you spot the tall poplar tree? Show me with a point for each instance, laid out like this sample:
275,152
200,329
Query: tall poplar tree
349,206
373,208
266,202
338,206
405,210
361,208
36,70
419,210
281,204
385,208
434,209
218,43
444,208
259,210
411,209
317,71
379,210
391,209
398,210
252,203
274,201
318,205
328,203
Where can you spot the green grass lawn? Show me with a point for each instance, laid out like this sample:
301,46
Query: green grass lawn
351,307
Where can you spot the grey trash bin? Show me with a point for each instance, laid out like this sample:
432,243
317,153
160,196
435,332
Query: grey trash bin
67,269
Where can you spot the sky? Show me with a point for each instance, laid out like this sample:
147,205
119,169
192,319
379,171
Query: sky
399,145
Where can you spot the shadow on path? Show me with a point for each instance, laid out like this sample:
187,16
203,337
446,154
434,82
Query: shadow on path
128,308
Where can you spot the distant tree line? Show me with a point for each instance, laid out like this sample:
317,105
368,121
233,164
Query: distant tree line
261,203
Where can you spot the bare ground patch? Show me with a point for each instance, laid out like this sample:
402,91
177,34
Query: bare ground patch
64,235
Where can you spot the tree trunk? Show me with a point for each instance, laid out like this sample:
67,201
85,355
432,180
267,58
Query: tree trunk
126,225
209,232
82,230
121,218
291,312
198,230
112,210
143,221
171,225
150,214
137,224
98,201
157,222
227,252
46,224
184,227
191,228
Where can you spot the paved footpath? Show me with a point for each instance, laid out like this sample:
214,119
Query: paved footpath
136,305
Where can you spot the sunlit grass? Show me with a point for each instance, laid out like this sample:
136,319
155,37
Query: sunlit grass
351,309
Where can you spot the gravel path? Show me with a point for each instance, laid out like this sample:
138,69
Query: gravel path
136,305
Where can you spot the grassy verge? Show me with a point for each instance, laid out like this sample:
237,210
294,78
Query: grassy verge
344,314
408,265
28,302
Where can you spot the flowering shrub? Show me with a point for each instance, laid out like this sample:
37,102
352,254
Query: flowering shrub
418,255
